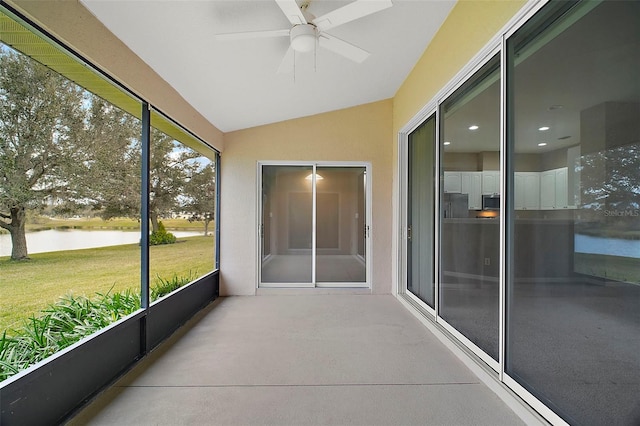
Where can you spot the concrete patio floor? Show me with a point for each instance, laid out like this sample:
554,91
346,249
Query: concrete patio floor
301,360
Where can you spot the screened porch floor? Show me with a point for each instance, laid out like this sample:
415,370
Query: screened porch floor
301,360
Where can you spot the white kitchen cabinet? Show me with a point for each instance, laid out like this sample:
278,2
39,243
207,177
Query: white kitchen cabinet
452,182
472,185
527,191
554,189
562,188
491,182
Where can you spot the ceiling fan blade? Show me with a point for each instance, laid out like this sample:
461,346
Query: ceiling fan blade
351,12
287,61
292,11
343,48
252,34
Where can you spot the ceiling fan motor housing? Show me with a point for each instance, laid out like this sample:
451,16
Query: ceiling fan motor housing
303,37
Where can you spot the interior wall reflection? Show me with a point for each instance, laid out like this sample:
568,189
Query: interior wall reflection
574,292
420,211
470,204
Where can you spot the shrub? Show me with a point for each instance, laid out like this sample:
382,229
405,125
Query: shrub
69,320
163,286
161,236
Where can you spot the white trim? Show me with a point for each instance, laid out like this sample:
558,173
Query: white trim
479,352
502,250
314,221
534,402
420,304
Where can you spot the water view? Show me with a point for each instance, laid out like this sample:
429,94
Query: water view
74,239
607,246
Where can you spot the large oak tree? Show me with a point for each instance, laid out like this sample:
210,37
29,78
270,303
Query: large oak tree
41,116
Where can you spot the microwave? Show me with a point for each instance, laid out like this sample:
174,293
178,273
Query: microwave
491,202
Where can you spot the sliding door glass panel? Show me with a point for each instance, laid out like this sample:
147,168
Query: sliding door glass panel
287,224
340,224
573,312
470,232
420,211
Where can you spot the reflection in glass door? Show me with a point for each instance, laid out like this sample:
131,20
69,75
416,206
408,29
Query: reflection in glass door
469,231
340,224
286,227
314,226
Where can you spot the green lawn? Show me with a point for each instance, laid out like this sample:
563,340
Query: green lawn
29,286
612,267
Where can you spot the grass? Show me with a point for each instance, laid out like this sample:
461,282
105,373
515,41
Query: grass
28,287
615,268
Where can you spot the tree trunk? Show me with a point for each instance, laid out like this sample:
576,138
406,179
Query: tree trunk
206,226
18,238
153,216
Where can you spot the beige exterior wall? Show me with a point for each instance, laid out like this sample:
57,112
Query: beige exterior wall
468,28
359,134
73,24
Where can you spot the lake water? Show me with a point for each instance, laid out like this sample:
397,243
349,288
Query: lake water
74,239
607,246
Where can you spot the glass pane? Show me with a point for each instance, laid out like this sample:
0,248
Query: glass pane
340,224
574,295
287,219
182,203
69,211
470,232
420,208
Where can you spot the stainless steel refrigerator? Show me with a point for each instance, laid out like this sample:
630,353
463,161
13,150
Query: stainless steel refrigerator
456,205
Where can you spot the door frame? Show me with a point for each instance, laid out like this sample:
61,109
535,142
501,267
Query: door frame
367,234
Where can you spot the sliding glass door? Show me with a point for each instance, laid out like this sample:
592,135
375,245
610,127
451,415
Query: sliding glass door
420,211
535,203
314,226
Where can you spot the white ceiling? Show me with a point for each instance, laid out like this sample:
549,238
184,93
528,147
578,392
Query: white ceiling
235,84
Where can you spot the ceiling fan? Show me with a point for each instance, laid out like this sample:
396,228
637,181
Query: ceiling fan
306,30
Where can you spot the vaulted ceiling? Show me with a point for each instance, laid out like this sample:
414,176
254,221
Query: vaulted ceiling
238,83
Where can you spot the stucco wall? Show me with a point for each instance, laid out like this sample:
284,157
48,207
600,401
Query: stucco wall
468,28
360,134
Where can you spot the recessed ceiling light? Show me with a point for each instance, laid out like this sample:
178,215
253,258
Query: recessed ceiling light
474,127
447,143
542,144
544,128
554,107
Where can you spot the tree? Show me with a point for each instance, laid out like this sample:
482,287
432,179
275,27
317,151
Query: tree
171,165
611,178
610,186
200,193
40,119
113,162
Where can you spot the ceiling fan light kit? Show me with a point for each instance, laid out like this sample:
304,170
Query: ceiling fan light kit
303,37
306,31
